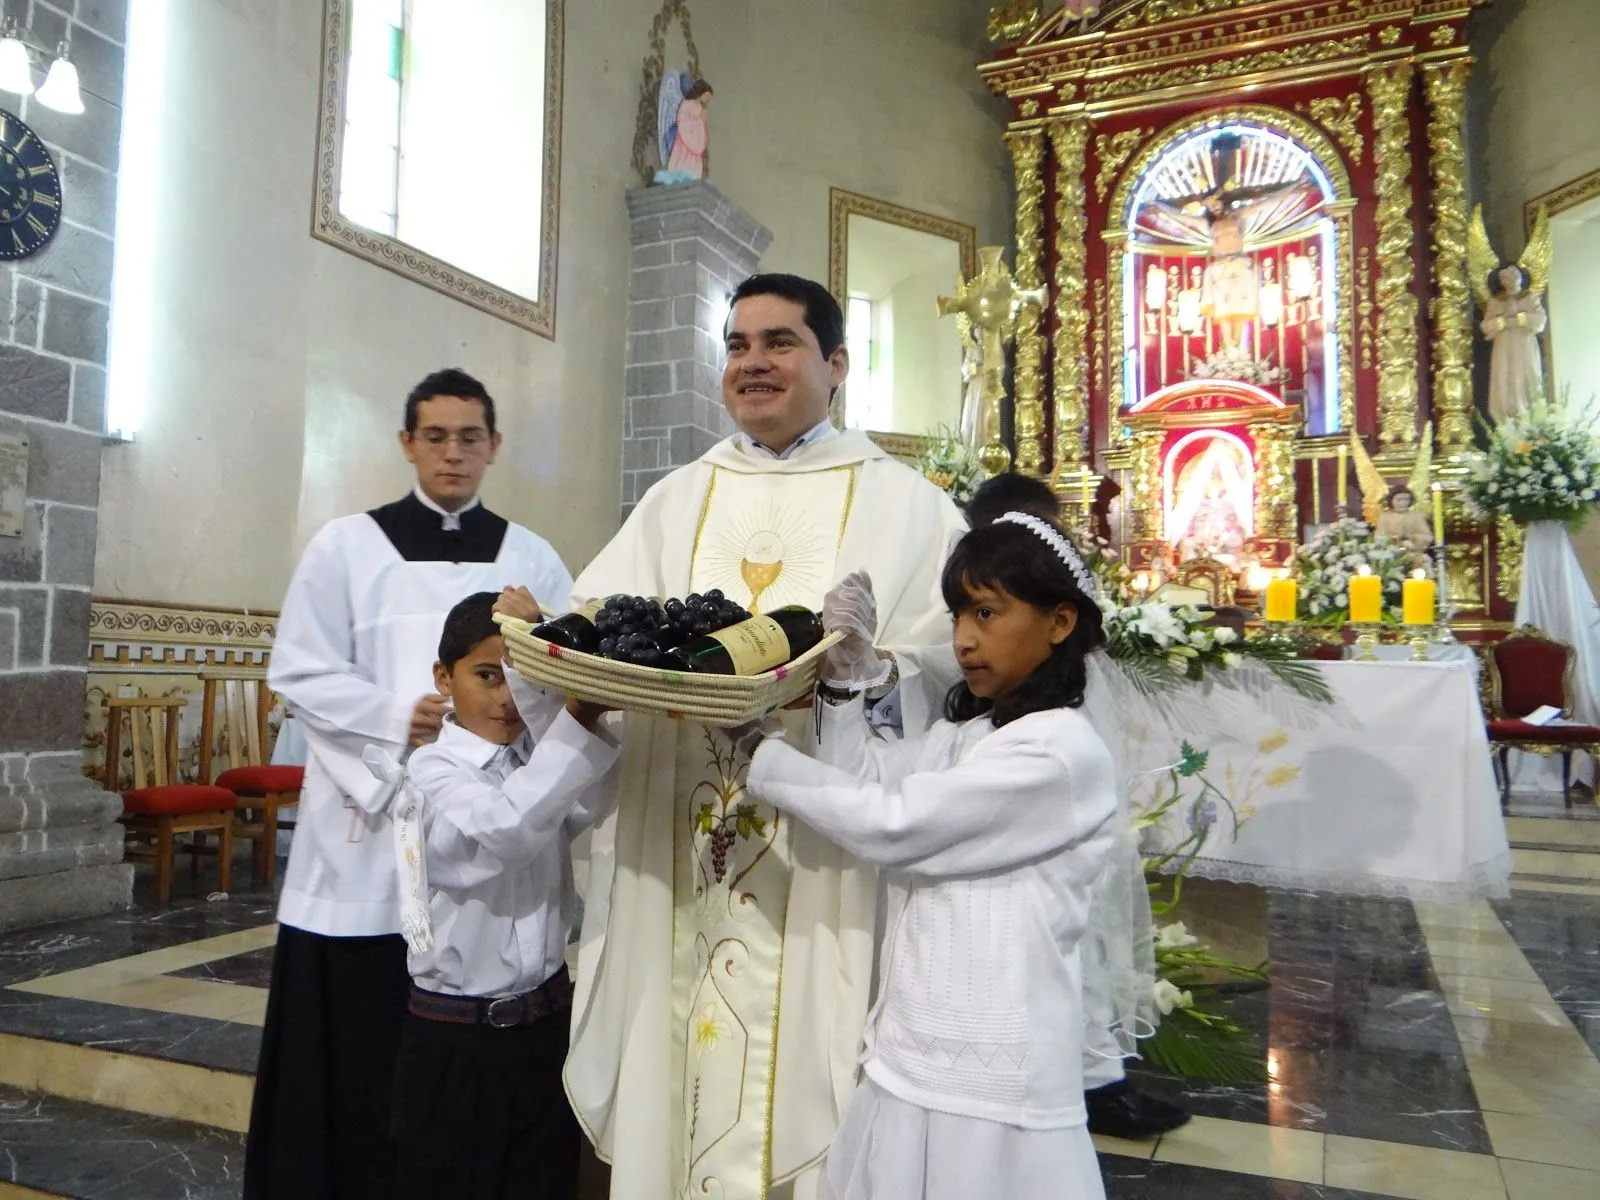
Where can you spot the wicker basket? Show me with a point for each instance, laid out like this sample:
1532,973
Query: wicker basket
709,699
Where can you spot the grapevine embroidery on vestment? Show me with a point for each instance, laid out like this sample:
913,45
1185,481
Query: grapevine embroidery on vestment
726,819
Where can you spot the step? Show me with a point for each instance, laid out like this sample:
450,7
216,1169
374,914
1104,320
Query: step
51,1146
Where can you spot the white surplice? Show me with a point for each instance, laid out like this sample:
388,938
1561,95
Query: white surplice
354,652
719,1009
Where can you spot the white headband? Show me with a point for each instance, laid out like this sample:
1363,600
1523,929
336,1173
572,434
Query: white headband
1058,542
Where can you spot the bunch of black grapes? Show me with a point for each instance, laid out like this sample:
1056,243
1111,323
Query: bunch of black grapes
635,630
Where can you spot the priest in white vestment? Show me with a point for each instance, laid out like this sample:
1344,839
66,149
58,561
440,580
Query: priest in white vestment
353,658
720,1003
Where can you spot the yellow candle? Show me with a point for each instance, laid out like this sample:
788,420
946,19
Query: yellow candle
1282,601
1344,495
1416,600
1366,599
1438,517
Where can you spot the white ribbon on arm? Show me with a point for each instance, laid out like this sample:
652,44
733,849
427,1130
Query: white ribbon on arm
404,801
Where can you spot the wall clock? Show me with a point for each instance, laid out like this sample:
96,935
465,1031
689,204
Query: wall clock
30,190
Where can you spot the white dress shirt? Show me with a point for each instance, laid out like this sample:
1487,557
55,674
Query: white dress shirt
497,830
820,432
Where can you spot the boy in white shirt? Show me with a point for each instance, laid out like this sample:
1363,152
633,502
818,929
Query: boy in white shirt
479,1110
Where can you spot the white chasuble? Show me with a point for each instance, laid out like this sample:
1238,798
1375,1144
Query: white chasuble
726,957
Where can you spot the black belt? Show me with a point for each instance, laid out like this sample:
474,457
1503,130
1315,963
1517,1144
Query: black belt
552,996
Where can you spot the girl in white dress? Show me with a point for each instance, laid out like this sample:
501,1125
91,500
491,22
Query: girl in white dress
990,833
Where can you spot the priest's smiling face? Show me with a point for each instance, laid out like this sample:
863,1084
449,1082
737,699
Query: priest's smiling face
451,448
777,382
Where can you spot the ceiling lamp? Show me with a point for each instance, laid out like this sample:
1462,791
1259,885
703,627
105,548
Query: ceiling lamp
16,70
60,88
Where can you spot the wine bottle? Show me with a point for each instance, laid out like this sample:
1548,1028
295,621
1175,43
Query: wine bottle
573,630
750,647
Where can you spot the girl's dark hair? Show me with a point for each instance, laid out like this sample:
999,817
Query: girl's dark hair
1012,558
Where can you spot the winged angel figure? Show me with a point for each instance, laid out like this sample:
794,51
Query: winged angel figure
1394,511
682,134
1511,295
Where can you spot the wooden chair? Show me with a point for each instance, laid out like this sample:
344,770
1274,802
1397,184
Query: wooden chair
160,806
234,716
1527,671
1214,578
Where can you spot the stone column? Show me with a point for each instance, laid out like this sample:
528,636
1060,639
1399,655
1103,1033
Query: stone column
60,848
691,247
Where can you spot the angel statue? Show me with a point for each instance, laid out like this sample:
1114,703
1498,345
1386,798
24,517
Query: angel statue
1511,295
682,134
1081,11
974,434
1393,511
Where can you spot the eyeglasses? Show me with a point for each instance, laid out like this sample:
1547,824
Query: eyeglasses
467,439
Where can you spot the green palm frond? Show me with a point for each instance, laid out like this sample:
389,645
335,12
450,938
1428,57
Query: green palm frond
1220,1053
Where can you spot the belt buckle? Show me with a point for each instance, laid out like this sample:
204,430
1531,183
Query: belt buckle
504,1013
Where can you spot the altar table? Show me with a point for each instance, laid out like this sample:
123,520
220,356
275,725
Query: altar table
1392,793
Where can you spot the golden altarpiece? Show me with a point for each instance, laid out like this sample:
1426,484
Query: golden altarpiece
1250,218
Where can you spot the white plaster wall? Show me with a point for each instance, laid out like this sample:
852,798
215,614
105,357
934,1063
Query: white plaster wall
279,364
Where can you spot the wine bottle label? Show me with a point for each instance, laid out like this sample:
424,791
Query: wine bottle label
756,645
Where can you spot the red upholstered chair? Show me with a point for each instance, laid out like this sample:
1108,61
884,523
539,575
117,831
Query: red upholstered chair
1526,671
234,720
159,806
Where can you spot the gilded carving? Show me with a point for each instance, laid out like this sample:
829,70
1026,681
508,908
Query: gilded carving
1342,118
1027,157
1029,108
1344,240
1111,151
1450,309
1275,507
1010,20
1390,88
1464,564
1365,306
1390,35
1227,67
1115,345
1144,506
1508,558
1101,333
1069,140
1443,35
1158,12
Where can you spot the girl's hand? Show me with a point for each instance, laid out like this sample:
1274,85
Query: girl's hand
852,610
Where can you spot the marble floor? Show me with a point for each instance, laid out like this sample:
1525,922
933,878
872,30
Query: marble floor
1429,1052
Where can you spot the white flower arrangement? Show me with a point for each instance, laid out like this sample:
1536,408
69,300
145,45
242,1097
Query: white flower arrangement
1234,362
1162,646
949,463
1323,566
1541,465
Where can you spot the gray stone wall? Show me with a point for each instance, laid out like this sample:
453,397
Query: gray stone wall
691,247
60,852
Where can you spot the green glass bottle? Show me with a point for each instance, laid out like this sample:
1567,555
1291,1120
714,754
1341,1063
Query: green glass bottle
573,630
751,647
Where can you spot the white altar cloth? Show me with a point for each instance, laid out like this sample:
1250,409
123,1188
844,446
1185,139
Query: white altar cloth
1391,794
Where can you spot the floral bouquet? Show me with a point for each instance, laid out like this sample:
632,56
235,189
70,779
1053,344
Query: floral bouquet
1323,566
1160,646
1541,465
1234,362
1112,575
949,463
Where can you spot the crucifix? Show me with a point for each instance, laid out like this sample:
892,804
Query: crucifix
991,301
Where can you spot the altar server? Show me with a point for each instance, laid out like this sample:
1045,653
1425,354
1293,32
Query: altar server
353,658
479,1110
990,832
771,516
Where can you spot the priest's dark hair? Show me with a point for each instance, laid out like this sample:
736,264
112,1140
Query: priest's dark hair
467,625
452,381
822,311
1013,559
1010,492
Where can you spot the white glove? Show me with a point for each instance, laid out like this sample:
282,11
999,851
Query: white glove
747,738
852,610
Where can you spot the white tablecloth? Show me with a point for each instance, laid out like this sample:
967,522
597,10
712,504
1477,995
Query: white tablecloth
1390,792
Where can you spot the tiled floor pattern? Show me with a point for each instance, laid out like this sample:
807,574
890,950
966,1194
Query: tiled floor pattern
1419,1052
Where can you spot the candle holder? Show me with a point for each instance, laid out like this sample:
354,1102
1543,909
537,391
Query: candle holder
1366,640
1418,639
1443,610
